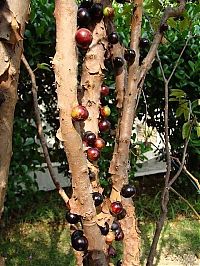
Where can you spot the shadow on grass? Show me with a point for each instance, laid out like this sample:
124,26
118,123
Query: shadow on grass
37,244
180,238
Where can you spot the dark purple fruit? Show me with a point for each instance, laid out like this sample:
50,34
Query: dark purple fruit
80,243
98,198
121,215
118,62
89,137
72,218
115,226
129,56
119,263
86,3
112,252
96,11
104,229
76,233
128,191
119,235
113,38
116,207
104,125
143,43
104,90
83,17
93,154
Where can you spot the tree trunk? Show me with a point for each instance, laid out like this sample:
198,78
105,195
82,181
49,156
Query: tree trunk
65,66
13,15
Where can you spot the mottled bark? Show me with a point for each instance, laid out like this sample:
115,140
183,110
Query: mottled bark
65,65
13,15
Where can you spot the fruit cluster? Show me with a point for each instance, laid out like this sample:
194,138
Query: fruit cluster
88,14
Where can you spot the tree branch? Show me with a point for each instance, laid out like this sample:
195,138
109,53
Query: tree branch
186,201
43,141
169,12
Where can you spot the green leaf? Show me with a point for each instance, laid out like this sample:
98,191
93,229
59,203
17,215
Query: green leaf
186,130
177,93
198,131
44,66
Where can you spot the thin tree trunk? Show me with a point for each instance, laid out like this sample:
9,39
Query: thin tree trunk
13,16
65,65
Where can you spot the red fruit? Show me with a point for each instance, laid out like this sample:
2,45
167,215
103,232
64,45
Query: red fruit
104,125
79,113
116,207
83,37
99,143
105,111
93,154
104,90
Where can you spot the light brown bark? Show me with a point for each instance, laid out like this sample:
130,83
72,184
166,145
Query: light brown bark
13,16
65,65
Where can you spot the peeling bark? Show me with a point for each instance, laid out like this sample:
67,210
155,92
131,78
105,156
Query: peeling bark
65,66
13,15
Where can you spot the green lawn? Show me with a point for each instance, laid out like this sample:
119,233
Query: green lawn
41,237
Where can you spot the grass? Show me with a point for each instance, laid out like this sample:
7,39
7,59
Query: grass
41,236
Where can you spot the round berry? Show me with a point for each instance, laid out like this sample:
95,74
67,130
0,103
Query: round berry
83,17
105,111
98,198
113,38
129,56
83,37
115,226
76,233
80,243
79,113
118,62
144,43
116,207
121,215
93,154
104,125
104,229
119,263
99,143
119,235
89,137
72,218
109,12
96,11
104,90
128,191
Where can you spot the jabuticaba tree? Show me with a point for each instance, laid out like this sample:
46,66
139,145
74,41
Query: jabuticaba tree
14,15
86,34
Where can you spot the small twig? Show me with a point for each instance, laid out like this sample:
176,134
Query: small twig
40,131
182,162
187,202
177,62
188,173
